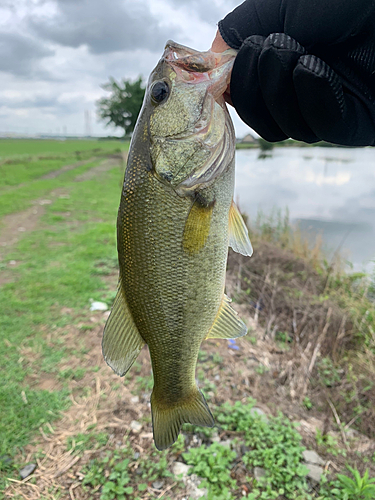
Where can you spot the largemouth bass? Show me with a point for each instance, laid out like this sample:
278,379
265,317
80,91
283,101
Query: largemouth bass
175,221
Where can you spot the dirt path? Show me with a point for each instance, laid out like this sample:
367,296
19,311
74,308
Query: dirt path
99,169
14,226
51,175
66,168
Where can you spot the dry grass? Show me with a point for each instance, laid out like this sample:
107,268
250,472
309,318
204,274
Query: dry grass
58,466
323,316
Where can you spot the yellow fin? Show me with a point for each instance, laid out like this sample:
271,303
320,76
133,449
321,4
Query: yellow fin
197,227
121,340
167,420
238,234
227,324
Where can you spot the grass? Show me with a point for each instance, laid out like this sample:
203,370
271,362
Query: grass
55,269
226,470
18,147
65,262
290,283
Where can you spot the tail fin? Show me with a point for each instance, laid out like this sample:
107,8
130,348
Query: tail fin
167,421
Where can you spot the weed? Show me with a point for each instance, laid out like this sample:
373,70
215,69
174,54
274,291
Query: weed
328,374
154,466
283,337
202,355
207,432
179,445
200,374
347,488
213,464
261,369
208,386
329,444
145,383
89,441
307,403
275,445
216,358
112,474
70,374
360,487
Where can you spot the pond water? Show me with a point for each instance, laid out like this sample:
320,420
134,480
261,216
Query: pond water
328,191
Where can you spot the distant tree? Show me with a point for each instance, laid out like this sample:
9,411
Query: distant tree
122,107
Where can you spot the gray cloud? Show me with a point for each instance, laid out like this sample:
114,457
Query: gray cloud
47,103
20,54
210,12
103,27
54,54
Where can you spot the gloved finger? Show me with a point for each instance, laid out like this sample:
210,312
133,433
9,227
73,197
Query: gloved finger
333,113
277,61
245,88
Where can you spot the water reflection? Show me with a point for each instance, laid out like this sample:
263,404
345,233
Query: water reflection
328,190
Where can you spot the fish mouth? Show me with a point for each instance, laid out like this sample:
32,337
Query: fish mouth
192,66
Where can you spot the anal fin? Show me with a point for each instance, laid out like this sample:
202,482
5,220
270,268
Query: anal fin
227,324
239,239
122,341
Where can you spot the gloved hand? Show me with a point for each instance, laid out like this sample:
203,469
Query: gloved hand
305,69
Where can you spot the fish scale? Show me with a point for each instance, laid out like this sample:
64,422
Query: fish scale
173,242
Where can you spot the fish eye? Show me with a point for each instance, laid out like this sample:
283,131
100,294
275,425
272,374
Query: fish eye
159,92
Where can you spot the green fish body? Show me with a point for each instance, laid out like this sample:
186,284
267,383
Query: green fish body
175,221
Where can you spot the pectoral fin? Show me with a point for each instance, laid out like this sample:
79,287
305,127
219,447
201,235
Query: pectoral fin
227,324
238,234
121,340
197,226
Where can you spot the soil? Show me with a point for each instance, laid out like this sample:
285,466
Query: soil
95,171
14,225
66,168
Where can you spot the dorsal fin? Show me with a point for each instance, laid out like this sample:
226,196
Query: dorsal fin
122,341
239,239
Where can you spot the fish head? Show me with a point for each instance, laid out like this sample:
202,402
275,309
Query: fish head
190,130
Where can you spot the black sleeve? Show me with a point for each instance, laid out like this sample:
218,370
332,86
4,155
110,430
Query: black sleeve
307,21
305,68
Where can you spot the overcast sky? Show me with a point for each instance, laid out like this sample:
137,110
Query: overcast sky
55,54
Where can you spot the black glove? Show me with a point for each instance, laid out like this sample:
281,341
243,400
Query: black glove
305,69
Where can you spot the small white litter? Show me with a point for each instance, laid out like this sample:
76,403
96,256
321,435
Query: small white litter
98,306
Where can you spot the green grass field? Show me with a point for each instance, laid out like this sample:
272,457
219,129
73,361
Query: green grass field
55,269
63,409
18,147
